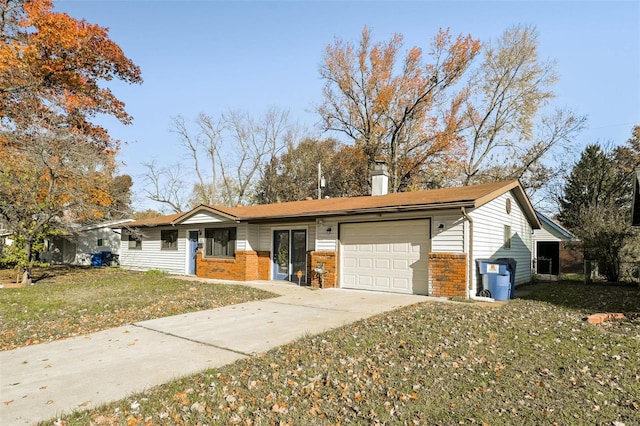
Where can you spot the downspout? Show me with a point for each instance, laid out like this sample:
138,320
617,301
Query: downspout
471,293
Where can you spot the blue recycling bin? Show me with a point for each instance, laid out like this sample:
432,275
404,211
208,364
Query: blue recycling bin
496,278
502,286
511,267
96,259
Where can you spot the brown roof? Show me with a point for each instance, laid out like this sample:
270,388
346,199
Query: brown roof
469,197
155,221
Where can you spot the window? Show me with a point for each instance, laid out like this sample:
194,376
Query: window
99,242
507,237
135,242
169,239
220,242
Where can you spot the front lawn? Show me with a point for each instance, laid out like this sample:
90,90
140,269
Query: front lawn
529,361
72,301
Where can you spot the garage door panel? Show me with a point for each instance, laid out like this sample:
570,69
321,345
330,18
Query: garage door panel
401,248
382,282
400,265
382,264
385,256
365,280
382,248
365,262
350,262
401,284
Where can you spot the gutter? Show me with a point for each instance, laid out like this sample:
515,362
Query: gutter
471,294
352,211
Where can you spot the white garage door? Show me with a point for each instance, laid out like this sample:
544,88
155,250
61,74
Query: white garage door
385,256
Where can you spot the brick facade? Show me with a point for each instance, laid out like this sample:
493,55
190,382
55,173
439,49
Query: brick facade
330,265
448,274
245,266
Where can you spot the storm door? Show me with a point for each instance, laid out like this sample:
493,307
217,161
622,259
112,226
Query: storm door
290,254
193,251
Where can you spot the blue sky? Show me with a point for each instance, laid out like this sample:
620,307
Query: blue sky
212,56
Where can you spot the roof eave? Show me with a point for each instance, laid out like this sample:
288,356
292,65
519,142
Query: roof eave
202,207
521,196
366,210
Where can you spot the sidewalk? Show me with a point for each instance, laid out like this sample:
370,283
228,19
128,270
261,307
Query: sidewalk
39,382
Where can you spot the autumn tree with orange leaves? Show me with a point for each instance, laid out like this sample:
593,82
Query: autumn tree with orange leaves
56,165
392,106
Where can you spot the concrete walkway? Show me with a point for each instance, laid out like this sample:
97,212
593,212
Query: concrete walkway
39,382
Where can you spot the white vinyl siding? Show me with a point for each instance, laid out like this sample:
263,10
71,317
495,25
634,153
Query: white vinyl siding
248,237
545,234
242,235
449,238
489,222
151,256
203,218
265,242
326,240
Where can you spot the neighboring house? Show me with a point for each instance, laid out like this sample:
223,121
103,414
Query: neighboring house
5,240
551,252
77,246
423,242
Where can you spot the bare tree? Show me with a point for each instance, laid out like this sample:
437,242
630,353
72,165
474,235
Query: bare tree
227,154
254,143
506,136
166,186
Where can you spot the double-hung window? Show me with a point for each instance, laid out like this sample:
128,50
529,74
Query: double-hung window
135,242
507,237
220,242
169,239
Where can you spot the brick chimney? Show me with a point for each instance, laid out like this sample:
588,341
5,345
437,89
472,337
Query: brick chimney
379,179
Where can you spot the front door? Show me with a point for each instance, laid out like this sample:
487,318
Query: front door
290,254
193,248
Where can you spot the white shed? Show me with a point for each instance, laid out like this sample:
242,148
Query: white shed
548,241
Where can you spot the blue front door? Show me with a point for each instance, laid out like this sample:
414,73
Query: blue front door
290,254
193,248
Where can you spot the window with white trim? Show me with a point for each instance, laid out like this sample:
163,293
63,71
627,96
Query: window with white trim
220,242
169,239
135,242
507,237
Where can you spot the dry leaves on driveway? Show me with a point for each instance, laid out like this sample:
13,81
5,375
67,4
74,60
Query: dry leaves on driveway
525,362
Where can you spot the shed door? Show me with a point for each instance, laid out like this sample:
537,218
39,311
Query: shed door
385,256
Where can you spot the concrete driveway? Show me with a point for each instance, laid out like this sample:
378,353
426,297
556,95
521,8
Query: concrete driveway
39,382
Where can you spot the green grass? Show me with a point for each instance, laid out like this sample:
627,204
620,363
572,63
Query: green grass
529,361
84,300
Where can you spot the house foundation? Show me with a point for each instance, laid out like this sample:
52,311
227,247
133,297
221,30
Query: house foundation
329,279
447,274
245,266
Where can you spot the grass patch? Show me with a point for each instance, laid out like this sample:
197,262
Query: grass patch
68,302
532,361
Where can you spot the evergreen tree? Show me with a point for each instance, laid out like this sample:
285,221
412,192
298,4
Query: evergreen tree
596,205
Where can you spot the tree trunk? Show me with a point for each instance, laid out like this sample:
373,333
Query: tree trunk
26,276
